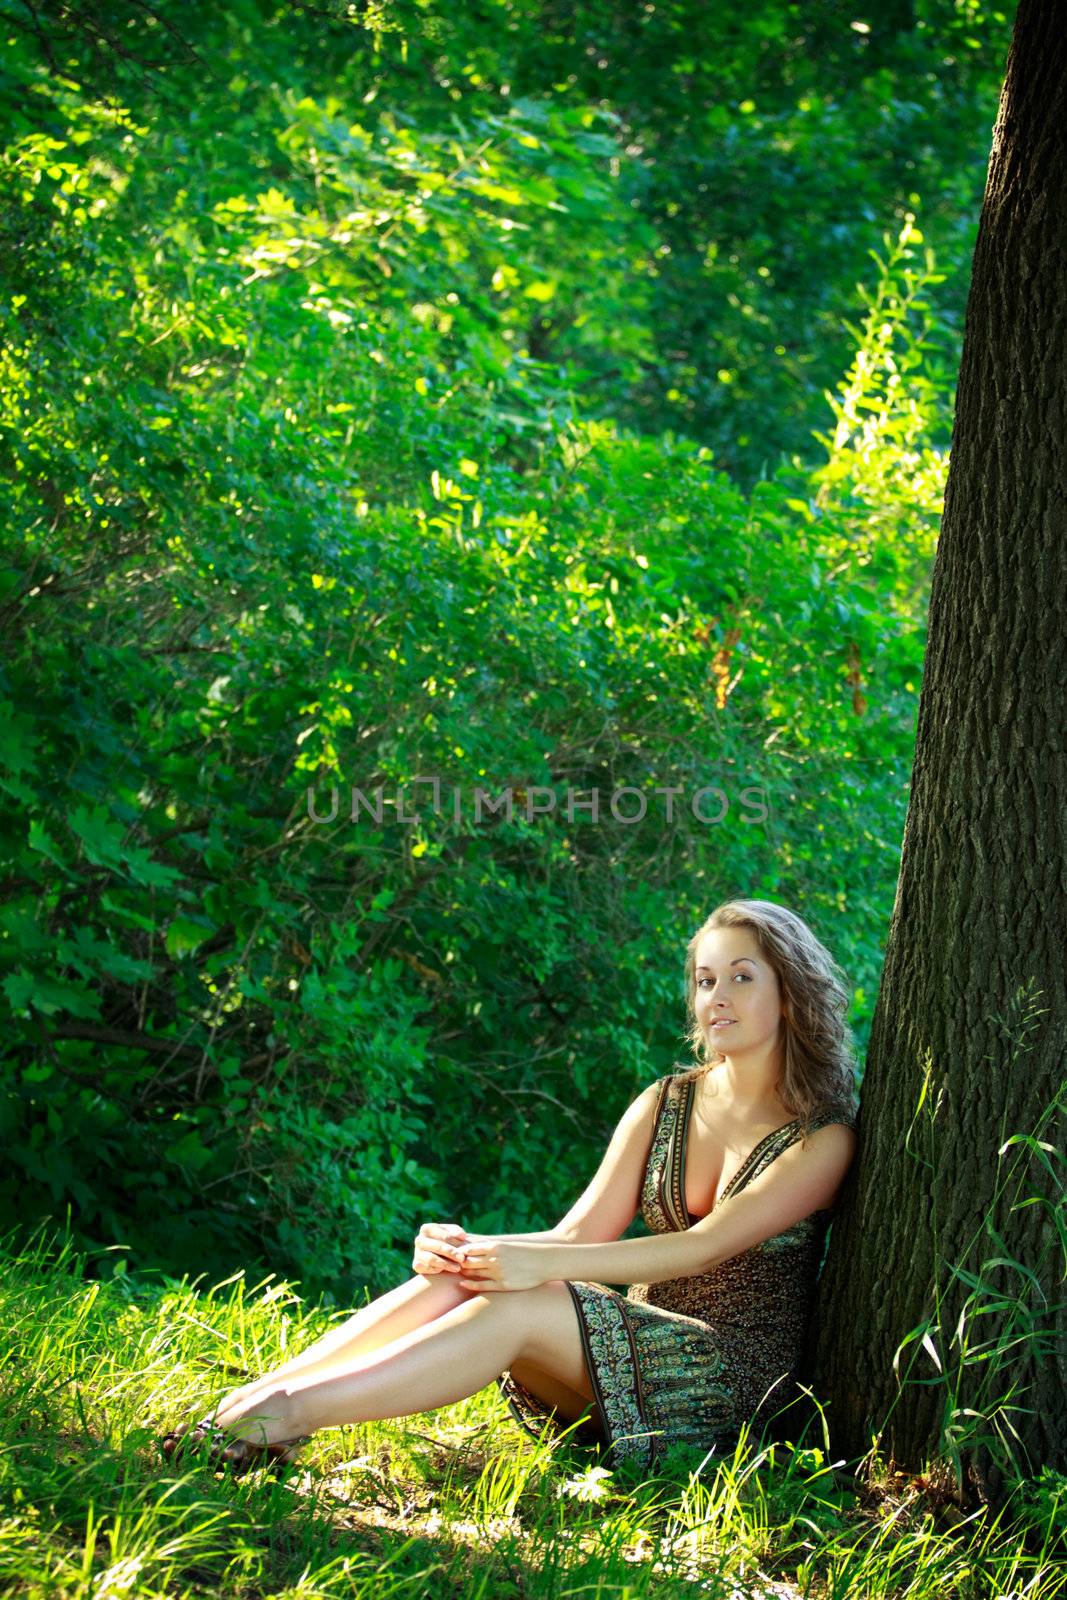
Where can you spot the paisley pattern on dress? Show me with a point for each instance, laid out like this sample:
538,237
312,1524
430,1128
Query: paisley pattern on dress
689,1360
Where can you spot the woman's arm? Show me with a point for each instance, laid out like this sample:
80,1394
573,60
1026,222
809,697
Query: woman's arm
666,1255
609,1202
801,1180
548,1236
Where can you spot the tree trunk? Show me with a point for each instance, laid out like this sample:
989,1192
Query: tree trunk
979,927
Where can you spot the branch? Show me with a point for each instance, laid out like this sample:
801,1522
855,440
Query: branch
101,1034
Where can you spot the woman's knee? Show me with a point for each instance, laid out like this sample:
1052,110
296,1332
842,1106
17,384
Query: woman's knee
553,1293
552,1337
438,1286
547,1308
524,1306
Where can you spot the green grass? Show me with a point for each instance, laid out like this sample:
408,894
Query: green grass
459,1502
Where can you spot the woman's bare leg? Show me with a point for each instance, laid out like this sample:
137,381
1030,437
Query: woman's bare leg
444,1361
568,1402
411,1305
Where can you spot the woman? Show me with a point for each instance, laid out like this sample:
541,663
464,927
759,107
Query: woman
735,1166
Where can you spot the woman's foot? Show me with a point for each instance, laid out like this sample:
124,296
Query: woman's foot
241,1454
225,1451
242,1434
180,1441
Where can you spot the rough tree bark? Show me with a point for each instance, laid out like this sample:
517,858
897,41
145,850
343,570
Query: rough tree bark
978,933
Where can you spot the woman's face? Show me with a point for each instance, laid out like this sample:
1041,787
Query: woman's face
738,997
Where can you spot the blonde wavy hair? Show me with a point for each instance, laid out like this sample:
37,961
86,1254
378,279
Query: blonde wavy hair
820,1055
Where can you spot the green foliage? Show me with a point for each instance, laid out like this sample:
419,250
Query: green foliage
765,146
1042,1503
322,470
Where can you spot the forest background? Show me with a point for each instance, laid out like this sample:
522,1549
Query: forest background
540,396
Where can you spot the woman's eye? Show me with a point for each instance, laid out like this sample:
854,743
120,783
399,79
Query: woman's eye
745,976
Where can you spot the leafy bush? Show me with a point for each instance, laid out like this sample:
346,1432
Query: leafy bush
290,508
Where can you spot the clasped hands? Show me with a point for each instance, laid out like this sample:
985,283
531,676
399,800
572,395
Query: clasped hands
481,1261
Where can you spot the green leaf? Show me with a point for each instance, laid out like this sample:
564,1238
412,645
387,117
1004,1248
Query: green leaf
183,935
49,995
189,1151
100,834
41,840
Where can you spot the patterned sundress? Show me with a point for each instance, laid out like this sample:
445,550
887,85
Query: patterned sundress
690,1359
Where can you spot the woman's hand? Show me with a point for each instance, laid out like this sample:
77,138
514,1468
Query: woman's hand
437,1248
495,1264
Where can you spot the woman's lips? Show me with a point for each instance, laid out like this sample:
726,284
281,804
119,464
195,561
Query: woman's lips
724,1024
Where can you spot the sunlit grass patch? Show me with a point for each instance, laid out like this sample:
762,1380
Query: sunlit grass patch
458,1502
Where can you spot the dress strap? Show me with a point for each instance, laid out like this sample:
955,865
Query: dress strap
770,1148
664,1091
657,1186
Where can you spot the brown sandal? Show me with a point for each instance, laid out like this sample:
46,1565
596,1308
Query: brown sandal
240,1455
175,1446
223,1451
